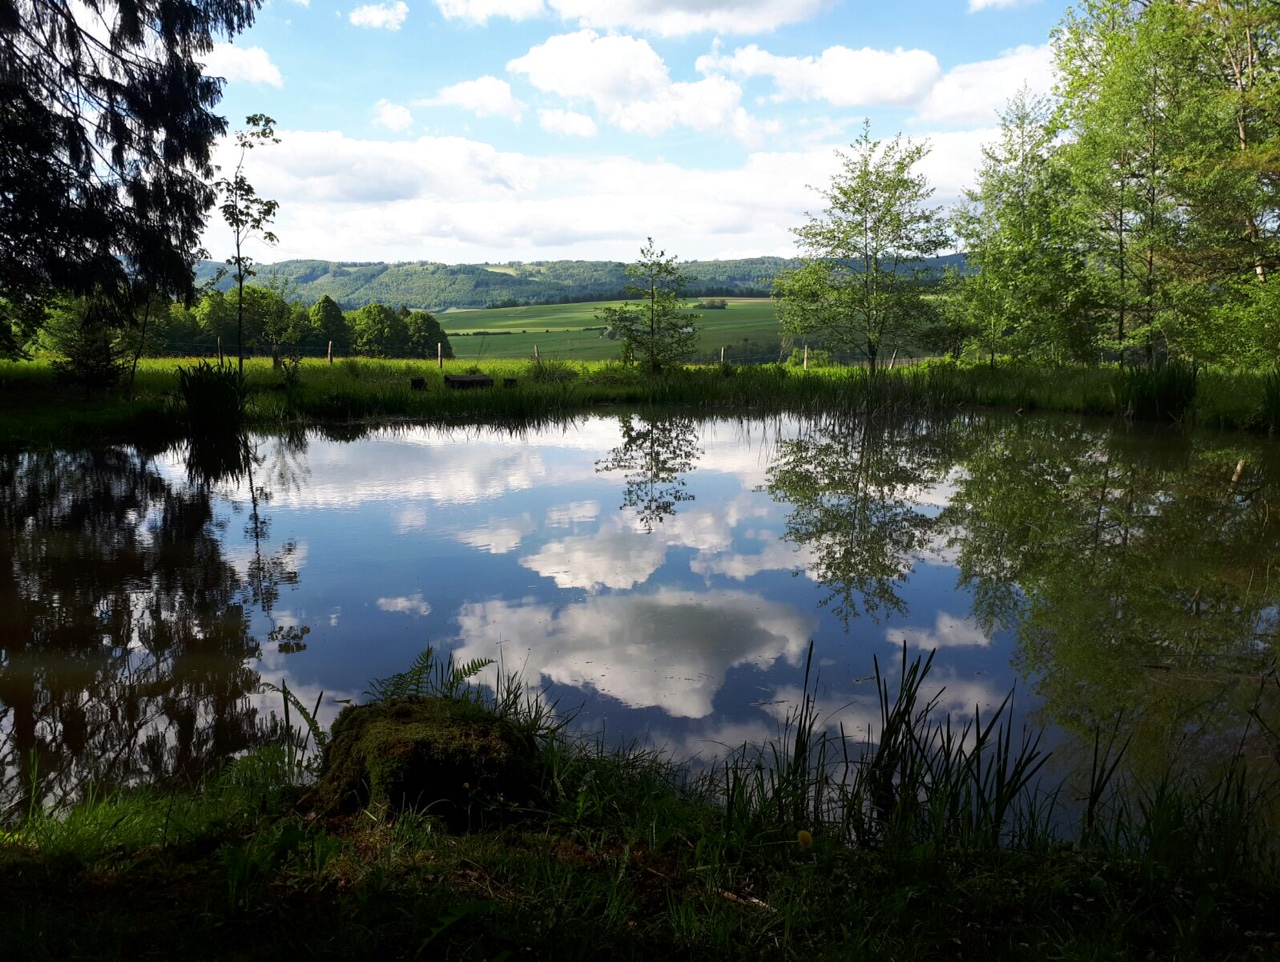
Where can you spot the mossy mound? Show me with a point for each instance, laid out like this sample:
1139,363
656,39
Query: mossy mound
450,757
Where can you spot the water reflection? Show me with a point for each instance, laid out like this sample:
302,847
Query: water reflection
125,636
854,486
1138,573
1123,575
655,454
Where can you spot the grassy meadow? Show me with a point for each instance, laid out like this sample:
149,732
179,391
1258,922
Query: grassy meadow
571,331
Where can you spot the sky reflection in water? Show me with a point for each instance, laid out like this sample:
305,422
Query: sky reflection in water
683,620
660,575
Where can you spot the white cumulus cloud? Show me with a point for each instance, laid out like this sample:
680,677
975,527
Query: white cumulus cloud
614,557
248,64
568,122
380,16
499,536
392,116
948,632
673,18
670,649
839,75
410,605
484,97
975,93
628,83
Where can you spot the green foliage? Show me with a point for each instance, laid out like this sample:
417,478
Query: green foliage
83,334
379,331
248,215
330,325
105,134
429,677
1026,293
816,357
425,335
550,371
213,397
1270,408
860,288
658,332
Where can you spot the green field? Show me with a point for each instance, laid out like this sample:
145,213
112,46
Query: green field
747,329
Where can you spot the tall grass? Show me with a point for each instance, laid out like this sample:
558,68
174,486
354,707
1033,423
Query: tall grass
32,408
1162,393
918,784
925,838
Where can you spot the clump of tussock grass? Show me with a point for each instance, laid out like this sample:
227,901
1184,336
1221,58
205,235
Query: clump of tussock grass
213,398
1162,393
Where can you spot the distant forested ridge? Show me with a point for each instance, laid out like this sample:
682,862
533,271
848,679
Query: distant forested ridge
436,287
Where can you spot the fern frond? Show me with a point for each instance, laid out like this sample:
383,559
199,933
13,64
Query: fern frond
428,677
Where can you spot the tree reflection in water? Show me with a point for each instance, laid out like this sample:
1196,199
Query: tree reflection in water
654,454
853,484
1139,576
125,630
1135,569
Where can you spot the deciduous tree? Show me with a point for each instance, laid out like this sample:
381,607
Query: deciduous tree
658,331
248,215
860,285
1027,291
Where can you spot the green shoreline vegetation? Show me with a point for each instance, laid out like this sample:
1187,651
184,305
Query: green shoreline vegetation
37,408
937,842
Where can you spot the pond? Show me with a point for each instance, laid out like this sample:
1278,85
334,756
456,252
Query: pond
661,577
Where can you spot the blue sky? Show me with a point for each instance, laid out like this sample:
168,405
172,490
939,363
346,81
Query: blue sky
493,130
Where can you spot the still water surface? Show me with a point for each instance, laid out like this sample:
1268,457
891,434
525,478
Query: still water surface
661,575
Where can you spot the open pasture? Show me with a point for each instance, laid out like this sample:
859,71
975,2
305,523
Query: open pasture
562,330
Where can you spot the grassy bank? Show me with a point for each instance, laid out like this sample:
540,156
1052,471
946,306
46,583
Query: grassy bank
35,408
936,843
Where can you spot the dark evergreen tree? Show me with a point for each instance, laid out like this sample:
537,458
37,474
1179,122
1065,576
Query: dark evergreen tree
106,128
330,325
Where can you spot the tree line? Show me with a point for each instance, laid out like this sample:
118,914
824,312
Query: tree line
1136,214
271,321
1132,216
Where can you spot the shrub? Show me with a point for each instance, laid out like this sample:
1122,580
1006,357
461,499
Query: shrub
213,398
817,357
91,358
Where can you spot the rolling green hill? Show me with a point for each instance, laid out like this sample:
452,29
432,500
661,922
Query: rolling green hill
437,287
